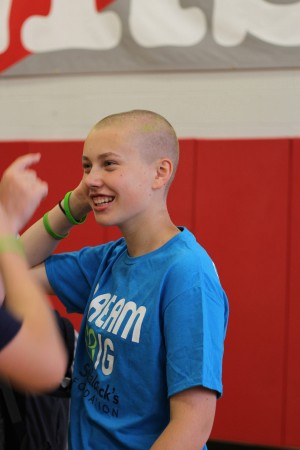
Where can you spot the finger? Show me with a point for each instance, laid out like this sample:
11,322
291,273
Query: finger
28,174
25,161
44,189
41,188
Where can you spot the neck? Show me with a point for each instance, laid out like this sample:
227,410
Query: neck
149,237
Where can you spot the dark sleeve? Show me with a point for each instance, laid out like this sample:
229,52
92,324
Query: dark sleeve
9,327
68,334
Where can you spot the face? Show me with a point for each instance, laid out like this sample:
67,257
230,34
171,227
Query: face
118,179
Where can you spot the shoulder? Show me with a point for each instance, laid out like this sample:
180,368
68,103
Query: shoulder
189,258
90,255
108,249
191,272
82,265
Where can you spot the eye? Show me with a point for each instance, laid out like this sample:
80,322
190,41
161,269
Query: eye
86,167
109,164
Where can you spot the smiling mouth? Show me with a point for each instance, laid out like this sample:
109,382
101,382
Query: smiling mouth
98,201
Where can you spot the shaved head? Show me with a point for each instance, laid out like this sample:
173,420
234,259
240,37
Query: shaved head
149,132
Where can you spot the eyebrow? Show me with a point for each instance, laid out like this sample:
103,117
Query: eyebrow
103,156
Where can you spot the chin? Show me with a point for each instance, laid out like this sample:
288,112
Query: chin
104,221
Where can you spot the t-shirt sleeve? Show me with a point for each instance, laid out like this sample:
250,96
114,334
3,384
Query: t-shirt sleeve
71,276
195,323
9,327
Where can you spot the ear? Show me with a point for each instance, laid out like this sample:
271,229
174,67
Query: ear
163,173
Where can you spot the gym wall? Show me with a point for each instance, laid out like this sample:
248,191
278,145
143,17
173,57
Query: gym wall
237,188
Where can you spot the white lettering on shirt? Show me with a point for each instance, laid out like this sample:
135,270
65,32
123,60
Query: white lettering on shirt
107,358
119,318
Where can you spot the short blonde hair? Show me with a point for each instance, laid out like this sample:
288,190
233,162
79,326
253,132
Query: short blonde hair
152,133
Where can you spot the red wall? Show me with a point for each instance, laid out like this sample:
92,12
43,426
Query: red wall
241,199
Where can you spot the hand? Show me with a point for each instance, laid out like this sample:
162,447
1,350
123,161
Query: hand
5,224
21,191
80,201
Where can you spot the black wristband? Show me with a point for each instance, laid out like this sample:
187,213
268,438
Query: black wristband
61,208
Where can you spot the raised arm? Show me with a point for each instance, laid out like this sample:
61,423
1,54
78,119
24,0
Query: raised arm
38,242
35,358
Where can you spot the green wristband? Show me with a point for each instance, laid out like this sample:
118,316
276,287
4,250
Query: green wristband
10,244
68,212
49,230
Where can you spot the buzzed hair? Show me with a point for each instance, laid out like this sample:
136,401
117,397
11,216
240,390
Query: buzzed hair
151,132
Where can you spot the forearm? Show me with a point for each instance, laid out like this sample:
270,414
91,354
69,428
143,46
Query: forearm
39,334
23,295
179,435
37,241
192,416
24,298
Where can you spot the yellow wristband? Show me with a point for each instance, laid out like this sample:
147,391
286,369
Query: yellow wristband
9,244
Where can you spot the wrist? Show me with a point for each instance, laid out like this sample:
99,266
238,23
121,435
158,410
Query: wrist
54,227
6,225
51,231
78,205
10,244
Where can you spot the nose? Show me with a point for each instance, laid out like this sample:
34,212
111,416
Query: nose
94,178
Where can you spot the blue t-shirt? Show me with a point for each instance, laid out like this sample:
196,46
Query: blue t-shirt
9,327
153,326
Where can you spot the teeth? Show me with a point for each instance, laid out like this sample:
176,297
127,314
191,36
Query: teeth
100,201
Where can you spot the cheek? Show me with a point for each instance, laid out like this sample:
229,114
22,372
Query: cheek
136,185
